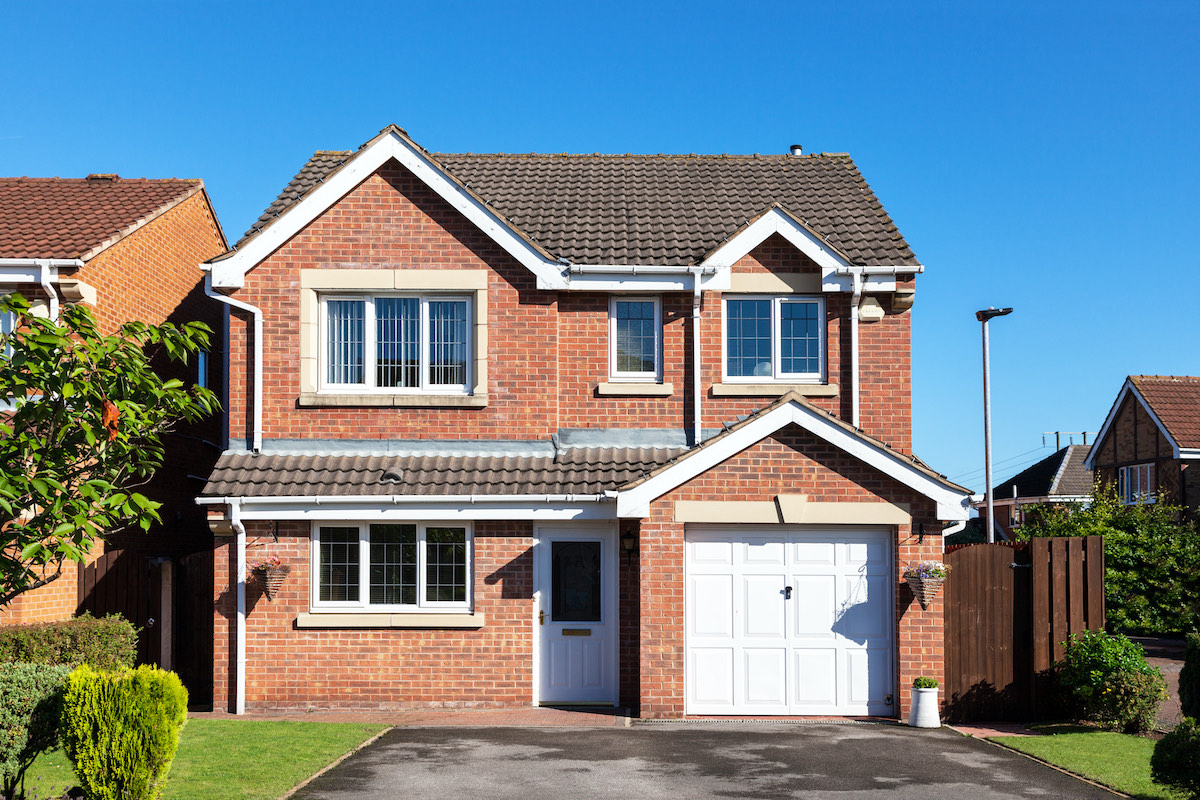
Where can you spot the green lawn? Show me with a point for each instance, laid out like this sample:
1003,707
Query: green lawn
1117,760
229,759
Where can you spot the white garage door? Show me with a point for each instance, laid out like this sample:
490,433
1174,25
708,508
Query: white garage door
789,620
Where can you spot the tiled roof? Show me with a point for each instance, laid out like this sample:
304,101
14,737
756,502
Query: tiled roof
1175,400
1060,474
654,209
582,471
73,217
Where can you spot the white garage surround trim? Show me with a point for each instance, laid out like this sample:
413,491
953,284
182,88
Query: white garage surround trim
823,647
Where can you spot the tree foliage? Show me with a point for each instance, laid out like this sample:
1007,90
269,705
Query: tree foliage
1151,555
85,431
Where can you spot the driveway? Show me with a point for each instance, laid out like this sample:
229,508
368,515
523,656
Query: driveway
690,760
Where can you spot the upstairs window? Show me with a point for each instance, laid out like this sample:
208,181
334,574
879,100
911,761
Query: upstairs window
1135,484
635,336
396,343
774,339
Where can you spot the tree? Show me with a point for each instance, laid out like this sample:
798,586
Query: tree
85,430
1151,555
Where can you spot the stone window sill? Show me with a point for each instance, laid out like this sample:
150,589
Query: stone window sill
322,400
635,389
318,620
774,389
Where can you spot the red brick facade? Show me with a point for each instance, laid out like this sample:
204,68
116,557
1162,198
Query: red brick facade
547,353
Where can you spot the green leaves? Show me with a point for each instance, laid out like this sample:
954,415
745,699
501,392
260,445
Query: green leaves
90,411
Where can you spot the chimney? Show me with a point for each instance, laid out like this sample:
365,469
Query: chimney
797,149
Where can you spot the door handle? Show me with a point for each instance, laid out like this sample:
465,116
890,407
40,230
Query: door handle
787,593
541,617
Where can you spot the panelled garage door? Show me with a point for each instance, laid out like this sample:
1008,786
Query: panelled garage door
789,620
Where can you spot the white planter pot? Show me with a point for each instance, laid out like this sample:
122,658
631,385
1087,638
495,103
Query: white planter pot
924,711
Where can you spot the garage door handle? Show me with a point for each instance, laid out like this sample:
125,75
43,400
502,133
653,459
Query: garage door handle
787,593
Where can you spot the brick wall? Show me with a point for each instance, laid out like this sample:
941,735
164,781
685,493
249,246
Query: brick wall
792,461
547,351
384,669
53,602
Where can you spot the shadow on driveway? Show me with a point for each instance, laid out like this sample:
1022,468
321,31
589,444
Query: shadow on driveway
691,760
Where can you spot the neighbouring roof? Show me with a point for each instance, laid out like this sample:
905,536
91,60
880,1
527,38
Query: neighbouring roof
653,209
580,471
1061,474
77,217
1175,400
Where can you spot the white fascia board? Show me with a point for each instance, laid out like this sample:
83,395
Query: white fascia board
649,282
385,511
230,273
1161,427
635,502
1188,453
871,282
1127,389
29,270
772,222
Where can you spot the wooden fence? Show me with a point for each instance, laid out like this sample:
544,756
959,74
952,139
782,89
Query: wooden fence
123,582
1009,608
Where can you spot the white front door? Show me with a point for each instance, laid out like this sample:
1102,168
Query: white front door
789,620
576,590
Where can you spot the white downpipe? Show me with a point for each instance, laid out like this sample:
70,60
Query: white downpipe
696,360
43,265
256,443
239,693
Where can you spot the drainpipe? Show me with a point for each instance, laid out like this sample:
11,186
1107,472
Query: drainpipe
48,286
235,520
256,443
696,382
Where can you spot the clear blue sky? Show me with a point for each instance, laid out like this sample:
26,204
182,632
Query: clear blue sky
1041,155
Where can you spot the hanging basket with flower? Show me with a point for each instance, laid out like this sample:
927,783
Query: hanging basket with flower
270,573
925,578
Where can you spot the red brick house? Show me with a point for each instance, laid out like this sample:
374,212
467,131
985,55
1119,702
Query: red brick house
129,249
555,429
1149,446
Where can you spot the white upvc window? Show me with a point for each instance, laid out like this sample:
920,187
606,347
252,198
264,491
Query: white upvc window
773,338
635,338
8,322
1135,484
392,566
396,343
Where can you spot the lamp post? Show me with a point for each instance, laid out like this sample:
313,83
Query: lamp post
983,317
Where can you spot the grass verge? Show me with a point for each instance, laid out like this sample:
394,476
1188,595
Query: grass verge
229,759
1117,760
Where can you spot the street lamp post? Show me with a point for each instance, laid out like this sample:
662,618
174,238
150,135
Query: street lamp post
983,317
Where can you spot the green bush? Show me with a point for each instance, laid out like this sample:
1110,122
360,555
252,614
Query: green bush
925,683
121,730
1189,677
1176,759
1105,678
107,643
1151,558
30,704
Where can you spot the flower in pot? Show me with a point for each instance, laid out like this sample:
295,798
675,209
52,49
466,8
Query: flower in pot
926,579
924,710
270,572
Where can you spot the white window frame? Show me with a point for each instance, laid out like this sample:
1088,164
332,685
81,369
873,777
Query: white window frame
777,374
364,570
1137,483
634,377
368,385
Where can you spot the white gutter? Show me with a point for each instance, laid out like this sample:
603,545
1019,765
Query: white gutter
377,499
235,520
696,382
256,443
44,271
856,276
627,269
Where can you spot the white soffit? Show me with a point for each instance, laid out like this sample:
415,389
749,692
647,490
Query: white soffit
635,502
230,273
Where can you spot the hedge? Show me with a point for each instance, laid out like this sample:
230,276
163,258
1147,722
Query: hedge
1189,677
107,643
30,704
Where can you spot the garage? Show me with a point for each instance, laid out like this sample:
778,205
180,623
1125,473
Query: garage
789,620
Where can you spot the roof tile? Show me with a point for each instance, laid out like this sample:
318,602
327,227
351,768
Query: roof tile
1175,400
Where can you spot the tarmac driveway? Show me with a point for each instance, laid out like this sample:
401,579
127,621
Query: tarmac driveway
690,760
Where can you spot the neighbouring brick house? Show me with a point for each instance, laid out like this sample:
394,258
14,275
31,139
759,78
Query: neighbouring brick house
1149,446
543,429
128,248
1058,479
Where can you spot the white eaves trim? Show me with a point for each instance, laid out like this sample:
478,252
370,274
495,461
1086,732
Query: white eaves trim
635,502
1110,420
417,507
230,273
